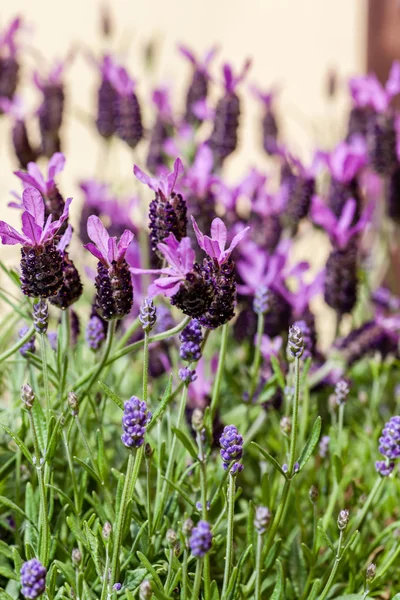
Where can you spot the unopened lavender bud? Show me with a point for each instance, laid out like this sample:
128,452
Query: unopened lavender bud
73,403
117,587
76,556
187,375
343,519
177,549
27,396
107,528
295,342
148,315
313,493
296,467
41,316
148,451
197,419
286,426
187,527
285,468
341,391
171,537
201,539
261,302
262,519
134,422
371,572
231,443
145,590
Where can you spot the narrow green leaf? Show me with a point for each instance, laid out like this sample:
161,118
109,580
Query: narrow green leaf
270,459
337,467
308,555
112,395
8,573
40,424
64,496
5,550
214,591
101,455
276,367
350,542
250,529
327,539
311,443
7,467
19,443
186,441
160,595
232,583
277,593
88,469
146,563
55,432
162,404
93,543
314,590
12,506
74,527
5,596
181,492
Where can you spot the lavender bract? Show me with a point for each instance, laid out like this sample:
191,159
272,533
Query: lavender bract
200,541
33,578
134,421
231,443
191,338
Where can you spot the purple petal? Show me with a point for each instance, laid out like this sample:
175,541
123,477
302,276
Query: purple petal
98,234
143,178
36,174
365,219
94,250
112,249
51,228
199,235
65,239
172,177
10,236
33,203
393,82
228,77
124,242
169,250
219,233
238,237
187,254
56,164
184,50
346,218
30,228
322,215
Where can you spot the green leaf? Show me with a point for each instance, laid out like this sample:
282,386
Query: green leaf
277,593
327,539
55,429
8,573
5,550
250,529
311,443
214,591
112,395
64,496
7,467
180,491
232,583
308,555
5,596
350,542
146,563
273,554
88,469
270,459
12,506
162,405
160,595
19,443
276,367
93,543
186,441
337,467
74,527
101,455
40,424
314,590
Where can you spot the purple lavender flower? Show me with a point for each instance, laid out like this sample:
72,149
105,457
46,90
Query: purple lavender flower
52,108
134,421
41,262
200,541
54,202
33,578
384,467
95,332
147,315
198,88
324,446
297,188
71,289
41,316
29,346
113,283
23,149
393,195
161,131
224,137
295,341
389,442
386,300
270,129
9,67
378,335
167,212
231,443
128,123
191,338
106,100
187,375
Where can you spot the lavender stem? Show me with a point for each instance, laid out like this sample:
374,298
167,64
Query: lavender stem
220,371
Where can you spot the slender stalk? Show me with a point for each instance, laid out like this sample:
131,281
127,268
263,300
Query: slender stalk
257,357
204,513
45,375
184,590
220,371
71,468
148,496
258,567
18,344
105,586
229,536
145,365
88,450
332,576
128,334
169,574
295,416
367,504
97,370
197,580
340,429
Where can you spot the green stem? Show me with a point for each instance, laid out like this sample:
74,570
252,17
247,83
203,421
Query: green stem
184,575
97,370
148,497
105,586
340,429
229,536
257,357
197,580
18,345
44,529
367,505
332,576
169,574
204,513
45,375
86,443
258,567
295,416
220,371
71,468
145,365
128,334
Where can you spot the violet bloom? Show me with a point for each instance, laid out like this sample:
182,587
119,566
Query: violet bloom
41,262
33,578
270,129
200,541
9,67
29,346
297,187
231,443
106,100
270,347
167,212
23,149
51,110
161,131
71,289
114,297
224,137
389,447
134,422
191,339
128,117
198,88
54,202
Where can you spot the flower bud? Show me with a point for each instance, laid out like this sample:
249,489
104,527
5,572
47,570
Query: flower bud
73,403
187,527
148,451
145,591
286,426
171,537
76,556
341,391
197,419
107,528
371,572
41,316
262,519
27,396
295,342
313,494
343,519
147,315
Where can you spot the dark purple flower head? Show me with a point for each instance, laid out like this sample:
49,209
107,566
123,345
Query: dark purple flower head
231,443
266,98
191,338
165,184
134,422
200,541
367,91
33,578
106,248
34,178
214,246
340,230
346,160
230,81
36,232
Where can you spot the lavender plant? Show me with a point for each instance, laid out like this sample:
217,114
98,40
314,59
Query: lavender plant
189,428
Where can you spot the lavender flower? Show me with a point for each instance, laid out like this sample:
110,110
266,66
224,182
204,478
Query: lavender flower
41,316
27,396
128,118
161,130
324,446
187,375
33,578
231,443
52,108
114,296
198,88
134,421
270,129
342,390
95,332
261,300
389,446
148,315
9,67
393,194
343,519
106,100
191,338
297,188
295,341
71,289
378,335
200,541
29,346
262,519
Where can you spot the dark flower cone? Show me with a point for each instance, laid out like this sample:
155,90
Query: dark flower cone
54,205
52,108
393,195
9,69
365,340
266,231
50,143
129,126
114,298
245,326
197,91
41,273
382,144
156,155
277,318
300,192
340,289
106,112
358,122
71,289
195,294
339,193
270,133
75,327
224,137
22,147
166,216
223,282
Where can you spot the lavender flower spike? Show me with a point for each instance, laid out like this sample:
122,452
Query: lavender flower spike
214,246
200,541
33,578
128,117
389,446
198,88
231,443
134,421
29,346
191,338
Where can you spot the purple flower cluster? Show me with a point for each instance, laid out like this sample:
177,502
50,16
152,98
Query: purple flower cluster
187,375
29,346
191,338
231,443
200,541
134,421
389,446
33,578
